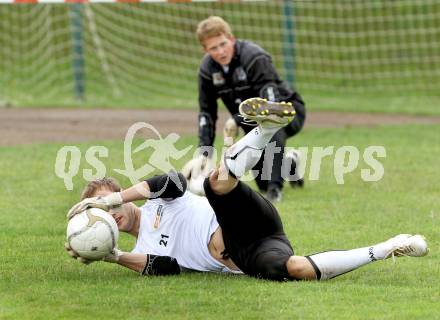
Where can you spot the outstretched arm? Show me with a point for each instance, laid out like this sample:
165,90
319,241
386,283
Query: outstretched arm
149,264
171,185
145,264
208,110
133,261
139,191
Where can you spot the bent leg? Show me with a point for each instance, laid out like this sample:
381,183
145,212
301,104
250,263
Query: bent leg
251,226
247,220
240,210
271,259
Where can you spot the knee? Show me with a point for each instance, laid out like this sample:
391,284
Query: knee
300,268
271,265
272,272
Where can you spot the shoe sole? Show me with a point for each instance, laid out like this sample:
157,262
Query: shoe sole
262,110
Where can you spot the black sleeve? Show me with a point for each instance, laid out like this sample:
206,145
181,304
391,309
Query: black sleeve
160,266
171,185
208,111
264,78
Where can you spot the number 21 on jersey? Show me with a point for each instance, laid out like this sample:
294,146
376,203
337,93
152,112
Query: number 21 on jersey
164,240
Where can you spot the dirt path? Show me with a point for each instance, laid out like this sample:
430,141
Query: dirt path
27,126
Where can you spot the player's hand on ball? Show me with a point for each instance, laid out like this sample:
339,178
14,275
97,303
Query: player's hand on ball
112,257
74,255
106,203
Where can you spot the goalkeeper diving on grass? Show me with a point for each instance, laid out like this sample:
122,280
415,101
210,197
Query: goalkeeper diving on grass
232,229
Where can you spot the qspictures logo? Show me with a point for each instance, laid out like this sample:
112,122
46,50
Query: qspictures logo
160,150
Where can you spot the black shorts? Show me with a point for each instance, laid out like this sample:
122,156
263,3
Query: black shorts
252,232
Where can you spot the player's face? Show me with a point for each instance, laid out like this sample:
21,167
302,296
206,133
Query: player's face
220,48
124,216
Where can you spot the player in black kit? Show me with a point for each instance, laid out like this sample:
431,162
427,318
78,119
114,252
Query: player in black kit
236,70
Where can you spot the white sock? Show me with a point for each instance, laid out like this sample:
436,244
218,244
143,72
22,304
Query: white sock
245,153
330,264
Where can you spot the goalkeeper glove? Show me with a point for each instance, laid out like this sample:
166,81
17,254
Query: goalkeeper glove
111,201
112,257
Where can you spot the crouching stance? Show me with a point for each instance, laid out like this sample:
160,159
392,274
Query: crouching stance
233,229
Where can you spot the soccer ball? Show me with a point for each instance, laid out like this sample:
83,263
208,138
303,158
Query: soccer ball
92,234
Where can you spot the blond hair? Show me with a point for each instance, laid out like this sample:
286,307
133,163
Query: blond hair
212,27
105,183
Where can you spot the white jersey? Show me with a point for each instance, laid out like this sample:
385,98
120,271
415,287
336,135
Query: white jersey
179,228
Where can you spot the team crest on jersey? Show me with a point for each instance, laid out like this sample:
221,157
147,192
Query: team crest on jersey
159,215
218,79
240,74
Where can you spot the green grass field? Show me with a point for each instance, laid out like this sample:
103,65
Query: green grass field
406,104
348,55
39,281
